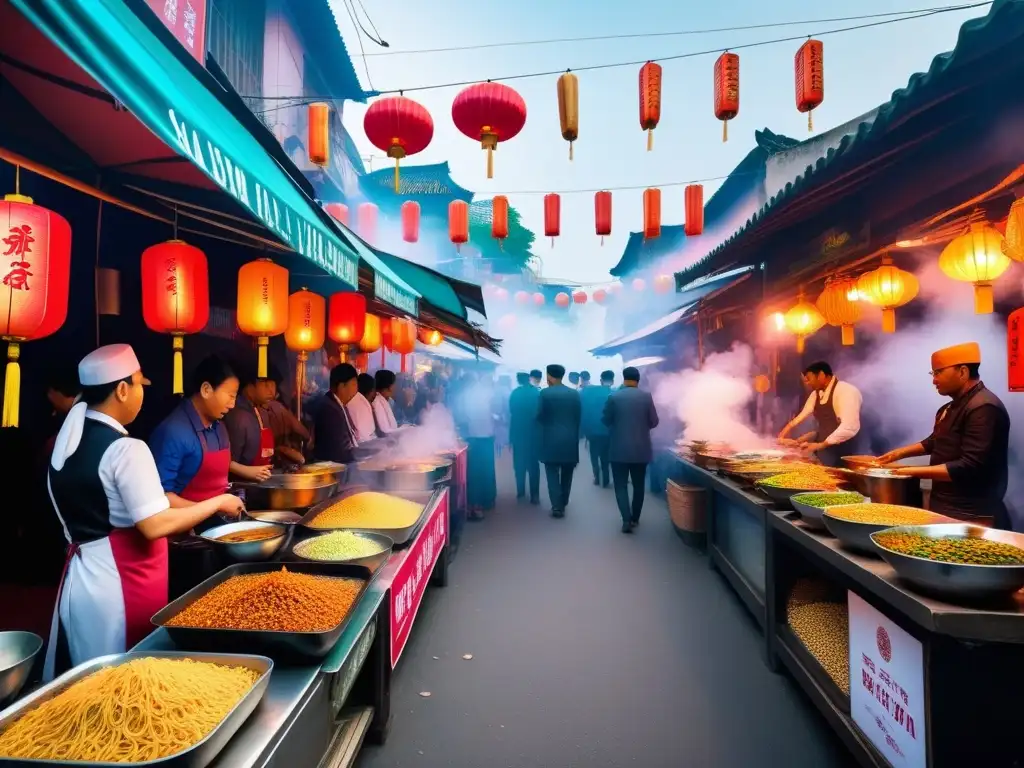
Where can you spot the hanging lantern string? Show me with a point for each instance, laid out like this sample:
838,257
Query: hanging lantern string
293,101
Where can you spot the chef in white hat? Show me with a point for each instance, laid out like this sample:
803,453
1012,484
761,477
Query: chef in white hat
115,514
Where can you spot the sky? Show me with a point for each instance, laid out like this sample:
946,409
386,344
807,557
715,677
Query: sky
862,69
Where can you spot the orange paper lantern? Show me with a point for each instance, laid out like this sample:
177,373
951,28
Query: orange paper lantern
372,336
693,200
410,221
840,307
403,337
552,216
569,108
888,287
603,214
1013,246
338,211
307,321
499,218
458,222
175,295
262,304
762,384
562,300
809,66
430,336
804,320
346,317
367,215
652,213
976,257
319,144
650,100
727,90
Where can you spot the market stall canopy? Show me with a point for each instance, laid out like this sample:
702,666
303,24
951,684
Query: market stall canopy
447,293
456,352
615,346
131,70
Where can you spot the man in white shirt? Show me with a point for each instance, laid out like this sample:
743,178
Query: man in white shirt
382,411
835,406
361,412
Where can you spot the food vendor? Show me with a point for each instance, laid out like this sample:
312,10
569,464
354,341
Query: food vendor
835,406
290,434
382,410
251,438
968,446
333,433
106,490
360,412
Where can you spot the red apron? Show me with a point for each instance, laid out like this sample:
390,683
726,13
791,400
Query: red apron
266,453
211,479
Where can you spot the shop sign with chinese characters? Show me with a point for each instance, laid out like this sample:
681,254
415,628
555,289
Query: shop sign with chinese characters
887,685
410,580
187,21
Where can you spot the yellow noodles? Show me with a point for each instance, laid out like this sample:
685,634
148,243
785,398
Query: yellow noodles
147,709
369,510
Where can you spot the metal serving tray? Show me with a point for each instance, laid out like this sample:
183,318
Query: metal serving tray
278,645
198,755
400,536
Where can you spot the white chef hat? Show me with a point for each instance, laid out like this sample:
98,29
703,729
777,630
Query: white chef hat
105,365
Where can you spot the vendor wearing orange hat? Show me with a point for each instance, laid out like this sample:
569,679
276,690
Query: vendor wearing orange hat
969,445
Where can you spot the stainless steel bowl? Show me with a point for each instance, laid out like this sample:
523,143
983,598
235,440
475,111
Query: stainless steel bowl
18,651
247,551
782,496
285,517
312,475
276,493
883,487
855,536
373,562
957,580
812,516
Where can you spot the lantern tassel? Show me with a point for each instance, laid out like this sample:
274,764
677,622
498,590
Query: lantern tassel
397,160
847,335
725,131
300,383
984,302
261,356
12,385
888,320
800,344
178,344
570,151
650,139
403,362
810,121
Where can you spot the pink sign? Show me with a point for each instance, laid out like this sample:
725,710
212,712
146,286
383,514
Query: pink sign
410,580
187,21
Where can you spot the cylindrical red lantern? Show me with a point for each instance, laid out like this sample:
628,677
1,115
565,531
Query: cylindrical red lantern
499,218
319,139
346,319
338,211
652,213
727,90
694,203
36,246
552,216
562,300
367,216
410,221
579,297
403,337
809,65
398,126
538,299
600,295
639,284
262,305
603,214
175,295
489,113
1015,350
650,100
385,338
522,297
458,222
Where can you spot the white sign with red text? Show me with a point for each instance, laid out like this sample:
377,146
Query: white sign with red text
887,685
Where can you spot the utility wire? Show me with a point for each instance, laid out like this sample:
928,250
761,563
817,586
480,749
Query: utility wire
359,27
677,33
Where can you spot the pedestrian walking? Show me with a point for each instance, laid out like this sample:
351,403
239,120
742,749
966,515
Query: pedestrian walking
523,433
592,401
558,414
630,416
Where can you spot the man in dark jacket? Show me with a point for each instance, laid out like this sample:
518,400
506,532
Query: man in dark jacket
592,400
558,414
522,406
630,415
334,434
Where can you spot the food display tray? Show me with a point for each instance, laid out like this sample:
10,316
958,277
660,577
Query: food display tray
198,755
297,646
400,536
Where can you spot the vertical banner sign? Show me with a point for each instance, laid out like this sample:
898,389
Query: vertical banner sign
187,21
410,580
1015,350
887,685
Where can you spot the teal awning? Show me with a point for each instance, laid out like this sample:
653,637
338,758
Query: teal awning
152,79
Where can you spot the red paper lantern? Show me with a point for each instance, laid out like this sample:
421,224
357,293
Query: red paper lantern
562,300
175,295
694,202
385,338
809,66
650,100
489,113
458,222
367,215
600,295
639,284
499,218
319,139
652,213
36,267
1015,350
398,126
538,299
346,318
603,214
403,337
727,90
579,297
522,297
410,221
338,211
552,216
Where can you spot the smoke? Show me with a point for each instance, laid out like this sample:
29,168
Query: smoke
435,433
713,403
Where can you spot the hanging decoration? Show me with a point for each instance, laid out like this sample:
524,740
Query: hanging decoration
538,299
803,319
175,296
398,126
410,221
403,337
809,65
371,340
499,218
976,257
489,113
367,216
319,139
1013,245
603,214
562,299
839,306
652,213
727,90
522,298
346,320
569,108
552,216
338,211
307,319
693,201
430,336
663,283
458,223
1015,350
762,384
385,339
579,297
650,99
639,284
600,295
36,245
361,362
888,287
262,305
501,294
